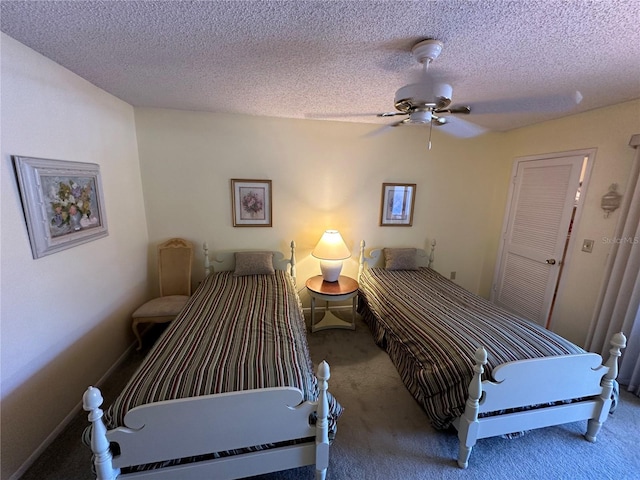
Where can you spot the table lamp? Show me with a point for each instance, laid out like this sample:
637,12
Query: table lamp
331,250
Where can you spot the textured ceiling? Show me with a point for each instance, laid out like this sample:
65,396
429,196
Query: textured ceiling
339,59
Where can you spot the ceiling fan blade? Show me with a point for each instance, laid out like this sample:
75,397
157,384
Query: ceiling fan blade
378,131
400,122
460,128
550,103
384,128
391,114
328,116
464,109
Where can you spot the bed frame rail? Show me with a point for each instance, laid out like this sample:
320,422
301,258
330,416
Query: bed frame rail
536,382
236,466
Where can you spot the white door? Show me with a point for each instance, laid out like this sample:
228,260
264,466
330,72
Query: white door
539,213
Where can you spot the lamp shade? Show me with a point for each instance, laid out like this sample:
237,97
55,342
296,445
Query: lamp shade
331,250
331,247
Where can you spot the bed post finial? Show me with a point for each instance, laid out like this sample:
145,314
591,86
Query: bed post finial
475,387
432,252
361,259
468,427
618,343
293,261
322,423
207,264
91,401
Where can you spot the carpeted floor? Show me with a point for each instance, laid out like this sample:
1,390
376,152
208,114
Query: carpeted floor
384,434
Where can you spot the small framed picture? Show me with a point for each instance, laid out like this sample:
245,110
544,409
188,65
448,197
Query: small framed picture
62,202
396,208
251,203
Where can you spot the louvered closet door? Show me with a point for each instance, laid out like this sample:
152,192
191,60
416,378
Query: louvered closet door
537,224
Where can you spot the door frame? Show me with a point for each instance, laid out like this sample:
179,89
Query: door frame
590,154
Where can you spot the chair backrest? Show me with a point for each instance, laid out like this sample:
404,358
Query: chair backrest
175,257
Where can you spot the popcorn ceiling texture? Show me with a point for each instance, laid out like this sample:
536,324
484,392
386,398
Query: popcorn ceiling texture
337,59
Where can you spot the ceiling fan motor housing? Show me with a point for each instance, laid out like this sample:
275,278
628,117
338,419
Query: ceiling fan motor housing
423,95
427,50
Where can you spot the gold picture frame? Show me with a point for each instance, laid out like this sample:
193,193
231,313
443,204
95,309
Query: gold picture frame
251,204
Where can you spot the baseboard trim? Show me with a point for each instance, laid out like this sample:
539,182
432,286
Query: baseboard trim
68,419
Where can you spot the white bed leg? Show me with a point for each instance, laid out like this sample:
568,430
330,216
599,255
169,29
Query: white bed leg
322,424
91,401
468,426
618,342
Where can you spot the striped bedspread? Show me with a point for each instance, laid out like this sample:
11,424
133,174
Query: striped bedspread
235,333
431,328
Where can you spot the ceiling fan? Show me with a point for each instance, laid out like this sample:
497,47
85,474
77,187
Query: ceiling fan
428,101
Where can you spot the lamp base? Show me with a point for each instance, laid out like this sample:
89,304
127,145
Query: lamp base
330,270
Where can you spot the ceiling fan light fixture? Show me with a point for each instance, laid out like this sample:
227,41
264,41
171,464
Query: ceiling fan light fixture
423,95
420,116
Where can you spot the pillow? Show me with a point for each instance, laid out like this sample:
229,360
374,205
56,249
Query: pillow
400,259
254,263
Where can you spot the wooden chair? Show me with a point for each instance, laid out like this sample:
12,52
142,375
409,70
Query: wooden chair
175,257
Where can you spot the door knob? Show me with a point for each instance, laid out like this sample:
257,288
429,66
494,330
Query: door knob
551,261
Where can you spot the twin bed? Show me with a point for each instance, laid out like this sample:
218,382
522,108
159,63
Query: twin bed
227,391
445,340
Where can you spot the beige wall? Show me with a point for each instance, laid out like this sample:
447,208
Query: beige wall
609,131
329,175
325,175
65,317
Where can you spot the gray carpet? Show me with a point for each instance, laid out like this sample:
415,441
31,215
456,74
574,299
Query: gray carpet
384,434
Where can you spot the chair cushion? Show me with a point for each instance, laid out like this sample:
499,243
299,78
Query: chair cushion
161,307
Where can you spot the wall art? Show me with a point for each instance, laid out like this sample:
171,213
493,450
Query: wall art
251,203
396,207
62,201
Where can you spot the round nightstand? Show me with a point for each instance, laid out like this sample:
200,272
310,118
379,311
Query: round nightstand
344,289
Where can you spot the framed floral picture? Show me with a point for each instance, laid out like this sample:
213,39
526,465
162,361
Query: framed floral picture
62,201
251,203
396,208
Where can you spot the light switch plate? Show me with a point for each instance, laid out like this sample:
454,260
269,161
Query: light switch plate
587,245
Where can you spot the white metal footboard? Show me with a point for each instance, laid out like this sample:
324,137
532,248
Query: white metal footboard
188,427
543,384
